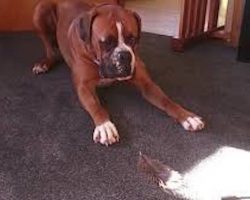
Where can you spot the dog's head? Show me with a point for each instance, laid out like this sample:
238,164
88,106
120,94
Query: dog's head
113,33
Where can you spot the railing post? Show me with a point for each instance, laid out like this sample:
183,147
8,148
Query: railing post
193,21
213,14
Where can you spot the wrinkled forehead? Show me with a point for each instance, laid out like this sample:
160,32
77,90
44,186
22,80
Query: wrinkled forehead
105,25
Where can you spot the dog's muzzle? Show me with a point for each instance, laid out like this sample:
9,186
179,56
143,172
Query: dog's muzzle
123,63
119,66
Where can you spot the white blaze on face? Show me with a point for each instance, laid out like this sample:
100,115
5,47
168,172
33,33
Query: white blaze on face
123,47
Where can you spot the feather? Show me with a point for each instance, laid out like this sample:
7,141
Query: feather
154,168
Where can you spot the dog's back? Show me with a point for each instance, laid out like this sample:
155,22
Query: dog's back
53,19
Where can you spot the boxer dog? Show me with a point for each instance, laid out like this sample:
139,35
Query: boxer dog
100,46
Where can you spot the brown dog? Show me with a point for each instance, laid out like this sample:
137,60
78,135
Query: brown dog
100,44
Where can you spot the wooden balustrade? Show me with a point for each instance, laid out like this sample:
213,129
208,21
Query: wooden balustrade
199,18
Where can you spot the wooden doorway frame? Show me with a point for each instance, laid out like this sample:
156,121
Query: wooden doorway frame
234,21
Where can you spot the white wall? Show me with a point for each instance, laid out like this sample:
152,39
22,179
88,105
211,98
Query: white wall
158,16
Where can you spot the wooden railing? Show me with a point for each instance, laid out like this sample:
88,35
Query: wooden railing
199,18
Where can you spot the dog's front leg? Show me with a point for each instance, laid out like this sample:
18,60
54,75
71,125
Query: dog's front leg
105,131
156,96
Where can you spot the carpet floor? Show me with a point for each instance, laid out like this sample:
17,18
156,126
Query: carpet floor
46,147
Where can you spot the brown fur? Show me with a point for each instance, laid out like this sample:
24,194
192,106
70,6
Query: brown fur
71,29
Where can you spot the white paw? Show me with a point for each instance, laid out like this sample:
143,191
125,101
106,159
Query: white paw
40,68
193,124
106,134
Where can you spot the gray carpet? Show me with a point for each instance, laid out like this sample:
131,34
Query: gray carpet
46,148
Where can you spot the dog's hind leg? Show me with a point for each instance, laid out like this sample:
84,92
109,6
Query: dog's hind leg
45,22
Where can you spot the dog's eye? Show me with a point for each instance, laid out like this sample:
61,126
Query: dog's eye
131,40
109,43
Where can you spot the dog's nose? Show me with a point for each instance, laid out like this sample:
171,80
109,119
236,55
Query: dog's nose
125,57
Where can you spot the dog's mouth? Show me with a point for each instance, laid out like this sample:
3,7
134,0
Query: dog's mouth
118,65
125,73
125,78
116,71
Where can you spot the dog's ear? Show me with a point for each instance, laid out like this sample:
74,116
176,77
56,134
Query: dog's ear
85,25
138,20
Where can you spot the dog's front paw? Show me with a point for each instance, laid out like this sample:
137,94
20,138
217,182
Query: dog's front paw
40,68
193,123
106,134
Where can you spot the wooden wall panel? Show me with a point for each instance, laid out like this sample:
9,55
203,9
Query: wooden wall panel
16,15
